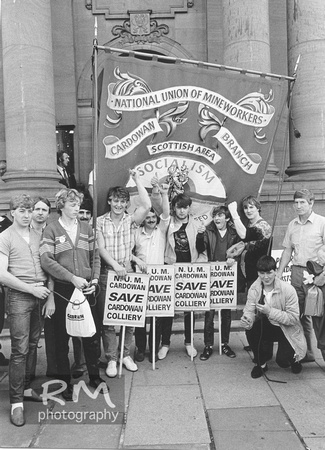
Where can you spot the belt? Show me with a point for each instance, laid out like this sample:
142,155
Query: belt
39,283
297,265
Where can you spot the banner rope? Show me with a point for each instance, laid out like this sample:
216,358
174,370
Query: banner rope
284,154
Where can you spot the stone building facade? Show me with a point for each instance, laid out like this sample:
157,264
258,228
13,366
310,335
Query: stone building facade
46,86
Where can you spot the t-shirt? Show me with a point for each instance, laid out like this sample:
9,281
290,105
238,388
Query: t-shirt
182,247
23,258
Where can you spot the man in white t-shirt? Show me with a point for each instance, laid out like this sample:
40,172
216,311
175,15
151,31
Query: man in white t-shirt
149,248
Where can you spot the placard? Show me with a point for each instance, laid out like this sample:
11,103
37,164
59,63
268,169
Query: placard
161,291
223,287
192,287
126,299
286,275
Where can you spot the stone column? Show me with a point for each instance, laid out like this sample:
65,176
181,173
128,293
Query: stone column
306,37
247,39
29,97
2,112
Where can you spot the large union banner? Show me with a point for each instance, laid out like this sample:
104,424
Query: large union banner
207,131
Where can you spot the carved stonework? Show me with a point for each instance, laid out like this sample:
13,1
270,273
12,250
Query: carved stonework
155,32
117,10
140,23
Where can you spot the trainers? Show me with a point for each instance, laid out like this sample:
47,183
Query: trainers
163,352
129,364
111,369
139,356
226,350
207,352
190,350
258,371
296,367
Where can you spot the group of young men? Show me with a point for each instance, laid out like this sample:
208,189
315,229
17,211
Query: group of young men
42,264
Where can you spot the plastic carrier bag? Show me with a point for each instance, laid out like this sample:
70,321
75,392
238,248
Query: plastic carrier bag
314,302
79,319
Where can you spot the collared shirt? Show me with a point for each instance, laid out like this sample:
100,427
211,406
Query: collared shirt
119,241
150,248
305,239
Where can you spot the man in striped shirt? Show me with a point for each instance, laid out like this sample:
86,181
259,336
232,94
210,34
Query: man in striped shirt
115,240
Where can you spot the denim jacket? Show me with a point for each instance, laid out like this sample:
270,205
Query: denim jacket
284,312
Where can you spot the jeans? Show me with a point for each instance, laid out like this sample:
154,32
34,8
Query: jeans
209,327
112,346
306,321
90,344
140,335
25,325
264,331
164,328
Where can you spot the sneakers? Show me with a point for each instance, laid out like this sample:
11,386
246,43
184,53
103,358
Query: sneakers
163,352
226,350
258,371
129,364
296,367
139,356
31,396
111,369
191,351
207,352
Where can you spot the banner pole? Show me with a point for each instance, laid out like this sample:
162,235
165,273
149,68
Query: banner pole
122,351
95,137
192,337
192,61
153,342
219,329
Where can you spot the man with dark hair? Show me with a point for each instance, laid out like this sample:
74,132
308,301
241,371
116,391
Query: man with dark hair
21,271
149,247
67,178
115,241
305,235
181,247
86,209
271,314
41,212
218,237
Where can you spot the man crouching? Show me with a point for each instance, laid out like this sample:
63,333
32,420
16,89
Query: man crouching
271,314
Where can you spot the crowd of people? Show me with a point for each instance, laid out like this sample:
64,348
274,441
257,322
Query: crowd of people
44,259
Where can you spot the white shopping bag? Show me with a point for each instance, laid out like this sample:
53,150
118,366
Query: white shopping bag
79,320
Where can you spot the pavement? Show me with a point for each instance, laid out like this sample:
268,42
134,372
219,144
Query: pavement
182,404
